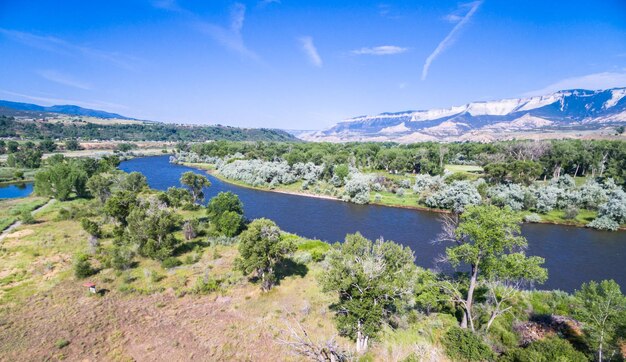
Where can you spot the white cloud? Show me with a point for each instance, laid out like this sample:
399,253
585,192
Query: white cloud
227,36
380,50
63,79
60,46
306,42
450,38
453,18
593,81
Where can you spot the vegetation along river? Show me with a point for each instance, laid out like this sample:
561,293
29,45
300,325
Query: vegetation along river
573,255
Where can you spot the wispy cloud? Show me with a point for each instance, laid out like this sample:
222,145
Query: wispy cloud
451,37
385,11
49,101
380,50
227,36
264,3
306,43
63,79
61,46
593,81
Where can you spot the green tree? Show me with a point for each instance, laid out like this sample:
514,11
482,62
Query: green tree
229,223
150,228
601,305
47,145
119,205
82,266
195,183
487,240
261,249
225,212
12,146
525,172
223,202
372,281
100,186
72,145
177,197
60,180
134,182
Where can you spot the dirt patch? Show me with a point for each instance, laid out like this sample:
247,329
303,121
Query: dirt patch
141,328
21,233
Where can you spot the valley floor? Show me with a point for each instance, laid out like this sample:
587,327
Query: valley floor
152,313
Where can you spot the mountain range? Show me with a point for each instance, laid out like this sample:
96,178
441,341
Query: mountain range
70,110
575,110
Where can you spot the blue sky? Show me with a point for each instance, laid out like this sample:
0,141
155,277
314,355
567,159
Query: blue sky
302,64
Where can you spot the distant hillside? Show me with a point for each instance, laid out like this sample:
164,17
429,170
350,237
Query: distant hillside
37,128
70,110
576,110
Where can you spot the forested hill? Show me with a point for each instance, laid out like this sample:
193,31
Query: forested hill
12,127
62,109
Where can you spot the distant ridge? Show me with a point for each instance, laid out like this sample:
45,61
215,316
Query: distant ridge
574,110
70,110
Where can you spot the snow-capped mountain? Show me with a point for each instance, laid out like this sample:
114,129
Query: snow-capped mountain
567,110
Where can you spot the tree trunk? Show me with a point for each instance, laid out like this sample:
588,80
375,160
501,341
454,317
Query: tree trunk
470,299
576,172
491,319
600,346
361,340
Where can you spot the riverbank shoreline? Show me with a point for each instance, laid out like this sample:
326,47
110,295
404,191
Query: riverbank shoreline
209,169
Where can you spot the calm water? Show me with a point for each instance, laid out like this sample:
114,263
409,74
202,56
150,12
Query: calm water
15,190
573,255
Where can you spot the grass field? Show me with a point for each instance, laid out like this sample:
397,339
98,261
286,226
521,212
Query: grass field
10,209
153,313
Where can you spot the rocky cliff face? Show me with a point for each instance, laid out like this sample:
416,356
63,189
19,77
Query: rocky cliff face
568,110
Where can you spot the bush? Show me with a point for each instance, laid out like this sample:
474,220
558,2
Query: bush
171,262
571,211
206,285
27,217
82,267
547,350
122,258
532,218
604,223
61,343
463,345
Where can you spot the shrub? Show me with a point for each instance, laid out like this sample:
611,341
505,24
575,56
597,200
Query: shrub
206,285
463,345
357,188
507,195
532,218
571,211
604,223
171,262
82,266
27,217
546,350
61,343
456,197
122,258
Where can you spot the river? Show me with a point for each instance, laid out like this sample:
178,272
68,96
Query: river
573,255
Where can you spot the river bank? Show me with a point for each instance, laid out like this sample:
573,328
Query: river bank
391,200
